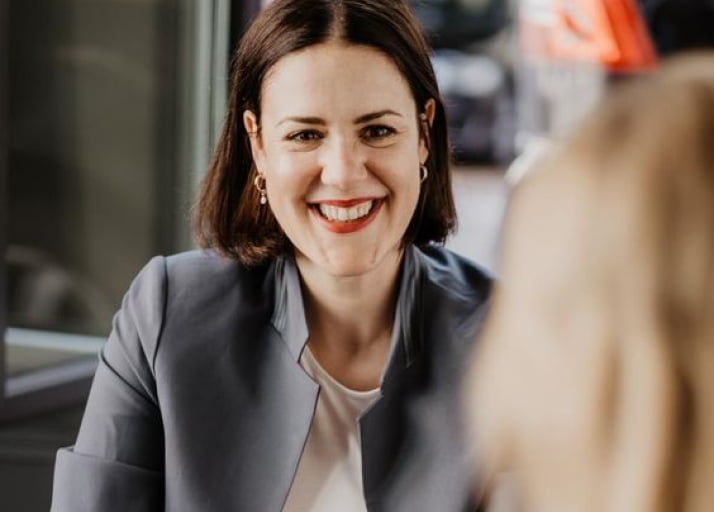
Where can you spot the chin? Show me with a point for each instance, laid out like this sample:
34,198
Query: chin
349,261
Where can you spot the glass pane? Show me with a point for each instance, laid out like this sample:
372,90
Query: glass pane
30,350
461,23
3,175
92,178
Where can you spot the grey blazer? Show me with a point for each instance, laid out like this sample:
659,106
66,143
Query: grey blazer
200,404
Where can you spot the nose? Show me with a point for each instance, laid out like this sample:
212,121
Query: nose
343,164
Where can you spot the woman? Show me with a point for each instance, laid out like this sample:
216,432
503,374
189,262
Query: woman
309,360
595,377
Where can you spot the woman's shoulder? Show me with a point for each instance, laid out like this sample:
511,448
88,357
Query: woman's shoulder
180,295
202,262
456,292
199,276
454,273
207,268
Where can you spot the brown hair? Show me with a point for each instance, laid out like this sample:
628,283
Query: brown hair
595,377
228,216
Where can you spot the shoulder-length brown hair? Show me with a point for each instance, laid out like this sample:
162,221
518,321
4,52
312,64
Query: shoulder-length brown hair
595,374
228,216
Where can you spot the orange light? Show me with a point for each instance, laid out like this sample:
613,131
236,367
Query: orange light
610,33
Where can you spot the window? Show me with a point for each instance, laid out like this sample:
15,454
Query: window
107,118
461,23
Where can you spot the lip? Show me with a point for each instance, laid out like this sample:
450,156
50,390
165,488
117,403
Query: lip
345,203
346,227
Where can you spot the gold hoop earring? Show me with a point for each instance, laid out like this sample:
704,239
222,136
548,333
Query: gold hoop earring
259,184
424,173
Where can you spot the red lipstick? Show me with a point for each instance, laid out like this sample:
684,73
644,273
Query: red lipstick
345,203
350,226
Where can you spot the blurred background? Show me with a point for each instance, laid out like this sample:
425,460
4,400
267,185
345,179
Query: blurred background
108,113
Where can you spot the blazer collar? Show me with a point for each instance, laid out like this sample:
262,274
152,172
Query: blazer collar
289,312
406,345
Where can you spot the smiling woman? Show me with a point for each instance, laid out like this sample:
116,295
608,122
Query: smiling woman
290,364
347,163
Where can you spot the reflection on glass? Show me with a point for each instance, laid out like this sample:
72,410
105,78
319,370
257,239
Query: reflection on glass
474,5
30,350
92,162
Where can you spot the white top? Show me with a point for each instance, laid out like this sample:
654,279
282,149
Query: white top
329,475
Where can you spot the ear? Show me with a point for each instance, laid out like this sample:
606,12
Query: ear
250,123
426,120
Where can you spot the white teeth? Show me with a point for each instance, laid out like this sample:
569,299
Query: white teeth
336,213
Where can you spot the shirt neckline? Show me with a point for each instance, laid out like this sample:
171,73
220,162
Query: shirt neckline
324,376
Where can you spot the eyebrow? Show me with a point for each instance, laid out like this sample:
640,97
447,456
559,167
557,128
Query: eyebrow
376,115
360,120
303,120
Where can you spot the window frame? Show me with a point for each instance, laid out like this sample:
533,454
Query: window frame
202,54
4,79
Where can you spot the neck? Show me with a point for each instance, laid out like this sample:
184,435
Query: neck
350,319
357,308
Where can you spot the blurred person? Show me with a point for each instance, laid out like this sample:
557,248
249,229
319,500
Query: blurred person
593,385
308,358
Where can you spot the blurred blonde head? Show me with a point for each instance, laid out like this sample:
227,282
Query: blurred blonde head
594,380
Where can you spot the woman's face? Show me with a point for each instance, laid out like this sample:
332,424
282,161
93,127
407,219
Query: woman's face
340,149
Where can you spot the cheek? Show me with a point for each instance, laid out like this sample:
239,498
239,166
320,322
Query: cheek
289,174
288,179
402,172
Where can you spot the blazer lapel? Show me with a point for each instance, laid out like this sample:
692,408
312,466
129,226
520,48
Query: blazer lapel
383,426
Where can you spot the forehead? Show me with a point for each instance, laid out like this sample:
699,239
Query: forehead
333,79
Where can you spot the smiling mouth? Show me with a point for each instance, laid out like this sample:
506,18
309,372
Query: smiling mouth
347,216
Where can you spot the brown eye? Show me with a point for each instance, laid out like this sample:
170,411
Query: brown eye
378,132
305,136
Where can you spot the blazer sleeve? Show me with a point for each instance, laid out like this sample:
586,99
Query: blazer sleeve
117,461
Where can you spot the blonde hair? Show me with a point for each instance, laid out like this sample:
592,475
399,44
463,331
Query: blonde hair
594,379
